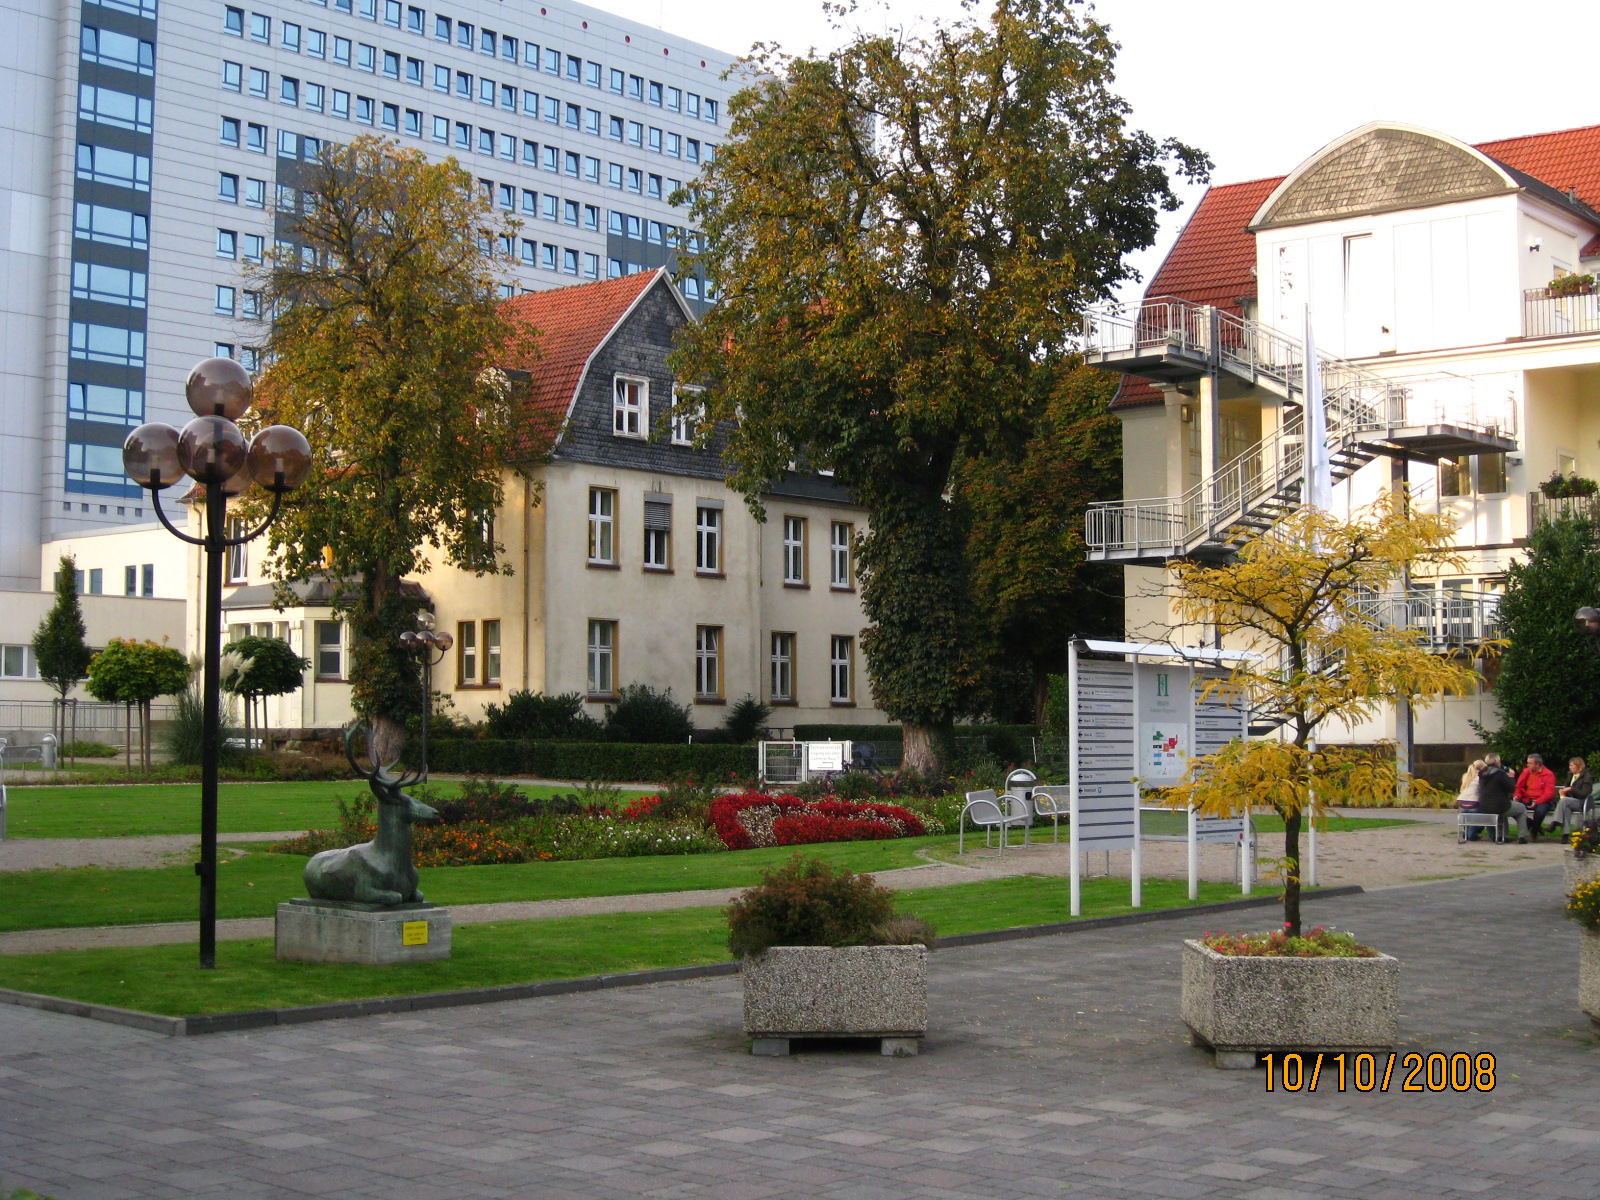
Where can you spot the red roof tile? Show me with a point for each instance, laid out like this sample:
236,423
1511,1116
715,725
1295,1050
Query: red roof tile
572,323
1568,159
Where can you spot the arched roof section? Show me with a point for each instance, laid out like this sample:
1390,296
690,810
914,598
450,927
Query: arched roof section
1382,167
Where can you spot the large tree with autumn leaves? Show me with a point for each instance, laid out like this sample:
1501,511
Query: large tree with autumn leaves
385,328
901,234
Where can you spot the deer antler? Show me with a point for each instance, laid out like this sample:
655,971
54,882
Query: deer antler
379,776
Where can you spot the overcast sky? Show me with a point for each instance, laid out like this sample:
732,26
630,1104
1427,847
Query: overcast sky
1262,84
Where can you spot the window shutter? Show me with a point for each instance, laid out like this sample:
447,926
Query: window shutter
657,515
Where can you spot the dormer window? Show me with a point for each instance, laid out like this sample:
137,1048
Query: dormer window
630,407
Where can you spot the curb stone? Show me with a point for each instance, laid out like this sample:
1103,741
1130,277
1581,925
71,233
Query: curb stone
263,1018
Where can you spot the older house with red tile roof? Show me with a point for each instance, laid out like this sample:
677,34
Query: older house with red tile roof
1449,291
633,561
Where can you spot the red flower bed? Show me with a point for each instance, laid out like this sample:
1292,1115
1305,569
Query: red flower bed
642,807
751,819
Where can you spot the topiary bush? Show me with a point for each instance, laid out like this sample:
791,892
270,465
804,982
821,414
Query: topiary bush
808,902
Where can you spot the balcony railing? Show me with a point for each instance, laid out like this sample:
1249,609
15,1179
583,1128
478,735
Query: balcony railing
1544,315
1559,508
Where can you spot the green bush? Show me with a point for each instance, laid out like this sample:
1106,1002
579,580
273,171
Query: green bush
809,902
537,717
611,762
642,714
87,750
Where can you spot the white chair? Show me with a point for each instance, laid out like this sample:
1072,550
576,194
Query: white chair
1053,801
993,811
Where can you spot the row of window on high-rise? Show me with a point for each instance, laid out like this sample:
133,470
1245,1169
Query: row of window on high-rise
297,92
507,49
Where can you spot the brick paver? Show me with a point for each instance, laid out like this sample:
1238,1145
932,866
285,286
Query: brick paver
1054,1067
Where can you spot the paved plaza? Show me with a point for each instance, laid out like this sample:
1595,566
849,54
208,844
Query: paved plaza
1053,1067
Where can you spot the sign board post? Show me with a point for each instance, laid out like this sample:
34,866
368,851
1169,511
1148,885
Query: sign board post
1135,724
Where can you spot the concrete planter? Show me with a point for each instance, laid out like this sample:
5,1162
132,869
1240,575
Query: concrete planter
850,991
1579,869
1589,973
1240,1006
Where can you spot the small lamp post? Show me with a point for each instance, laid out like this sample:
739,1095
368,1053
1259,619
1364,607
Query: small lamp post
424,643
213,451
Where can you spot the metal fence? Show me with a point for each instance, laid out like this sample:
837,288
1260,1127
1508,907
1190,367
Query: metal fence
91,715
1544,315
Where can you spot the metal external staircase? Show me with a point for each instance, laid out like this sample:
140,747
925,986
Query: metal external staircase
1368,415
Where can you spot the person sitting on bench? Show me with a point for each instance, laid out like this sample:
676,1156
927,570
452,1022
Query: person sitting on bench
1495,788
1574,797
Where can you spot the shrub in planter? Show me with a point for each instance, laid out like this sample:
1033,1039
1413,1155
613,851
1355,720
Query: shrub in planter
746,820
1581,857
824,955
1571,284
1583,906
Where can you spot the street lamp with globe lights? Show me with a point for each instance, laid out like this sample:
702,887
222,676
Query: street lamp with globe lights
1588,622
214,452
431,647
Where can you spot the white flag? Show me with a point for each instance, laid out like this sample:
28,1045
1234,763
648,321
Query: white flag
1319,470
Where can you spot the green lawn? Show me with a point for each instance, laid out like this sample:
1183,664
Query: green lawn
1176,824
165,979
253,884
79,811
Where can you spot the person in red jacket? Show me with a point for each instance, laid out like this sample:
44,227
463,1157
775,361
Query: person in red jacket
1536,788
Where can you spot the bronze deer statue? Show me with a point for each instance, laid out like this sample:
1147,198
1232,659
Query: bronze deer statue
380,871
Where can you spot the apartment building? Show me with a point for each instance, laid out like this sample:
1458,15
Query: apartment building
155,147
632,560
1456,363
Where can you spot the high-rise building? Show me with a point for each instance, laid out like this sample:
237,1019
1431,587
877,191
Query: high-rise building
155,146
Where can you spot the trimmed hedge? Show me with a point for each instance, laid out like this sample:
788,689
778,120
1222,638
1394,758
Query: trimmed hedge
608,762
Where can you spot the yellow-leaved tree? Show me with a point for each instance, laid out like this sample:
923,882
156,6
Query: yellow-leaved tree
1306,598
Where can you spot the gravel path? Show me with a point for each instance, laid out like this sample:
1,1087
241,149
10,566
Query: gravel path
1374,858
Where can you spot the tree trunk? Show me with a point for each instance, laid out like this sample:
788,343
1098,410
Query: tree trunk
1291,882
127,734
922,749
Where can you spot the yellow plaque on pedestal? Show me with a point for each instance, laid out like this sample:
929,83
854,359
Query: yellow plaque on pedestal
414,933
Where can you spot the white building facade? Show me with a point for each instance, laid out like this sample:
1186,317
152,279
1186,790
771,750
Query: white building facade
1458,366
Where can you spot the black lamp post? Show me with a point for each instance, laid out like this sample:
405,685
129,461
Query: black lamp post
213,451
425,642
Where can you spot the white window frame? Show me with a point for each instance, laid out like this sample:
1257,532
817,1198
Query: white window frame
841,556
658,542
602,658
794,551
630,407
685,422
708,662
238,562
841,669
14,654
780,677
707,540
324,647
602,527
491,653
466,654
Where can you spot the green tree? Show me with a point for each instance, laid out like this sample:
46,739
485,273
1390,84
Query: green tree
386,325
1294,597
900,235
1548,688
59,644
1024,511
135,673
257,667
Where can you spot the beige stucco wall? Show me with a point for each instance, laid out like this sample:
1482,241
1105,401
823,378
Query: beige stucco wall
111,551
104,618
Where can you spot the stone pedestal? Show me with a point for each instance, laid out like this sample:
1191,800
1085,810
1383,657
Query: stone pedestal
1589,973
346,932
1579,869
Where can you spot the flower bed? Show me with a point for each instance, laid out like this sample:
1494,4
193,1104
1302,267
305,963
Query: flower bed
747,820
1314,943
